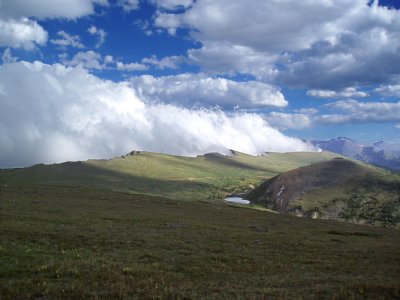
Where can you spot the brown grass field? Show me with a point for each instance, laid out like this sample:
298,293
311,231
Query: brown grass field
74,242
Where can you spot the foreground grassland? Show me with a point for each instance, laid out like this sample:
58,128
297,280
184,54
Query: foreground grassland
77,242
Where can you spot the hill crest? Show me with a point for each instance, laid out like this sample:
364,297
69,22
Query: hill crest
337,189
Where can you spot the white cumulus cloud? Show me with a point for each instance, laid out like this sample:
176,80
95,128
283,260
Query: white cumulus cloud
100,33
21,33
7,56
17,30
89,60
390,90
361,112
319,45
350,92
128,5
200,90
283,121
172,4
168,62
224,58
130,67
53,113
70,9
168,21
67,39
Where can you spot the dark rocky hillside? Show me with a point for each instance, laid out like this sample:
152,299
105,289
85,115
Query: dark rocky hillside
338,189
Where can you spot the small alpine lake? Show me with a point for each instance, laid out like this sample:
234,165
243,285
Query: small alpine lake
236,199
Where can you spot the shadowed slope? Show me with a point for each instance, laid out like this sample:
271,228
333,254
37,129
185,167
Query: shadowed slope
178,177
338,185
231,162
84,174
291,185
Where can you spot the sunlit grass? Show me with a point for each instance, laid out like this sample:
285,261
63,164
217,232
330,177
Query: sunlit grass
177,177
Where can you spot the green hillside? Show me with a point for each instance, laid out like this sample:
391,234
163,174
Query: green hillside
337,189
209,176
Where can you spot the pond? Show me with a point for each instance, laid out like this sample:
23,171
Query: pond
236,199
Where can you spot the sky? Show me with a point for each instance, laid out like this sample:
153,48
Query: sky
84,79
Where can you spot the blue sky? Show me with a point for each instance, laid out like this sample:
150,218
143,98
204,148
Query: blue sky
96,78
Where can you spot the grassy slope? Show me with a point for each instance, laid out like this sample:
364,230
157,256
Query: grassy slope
365,178
336,189
383,186
74,242
184,178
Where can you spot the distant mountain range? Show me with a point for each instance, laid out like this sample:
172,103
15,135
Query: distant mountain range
383,154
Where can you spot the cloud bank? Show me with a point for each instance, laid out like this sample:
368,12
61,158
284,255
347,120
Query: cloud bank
362,112
283,121
201,90
53,113
343,112
318,45
350,92
389,90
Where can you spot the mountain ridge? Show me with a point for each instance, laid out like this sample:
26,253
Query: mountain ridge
177,177
380,153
